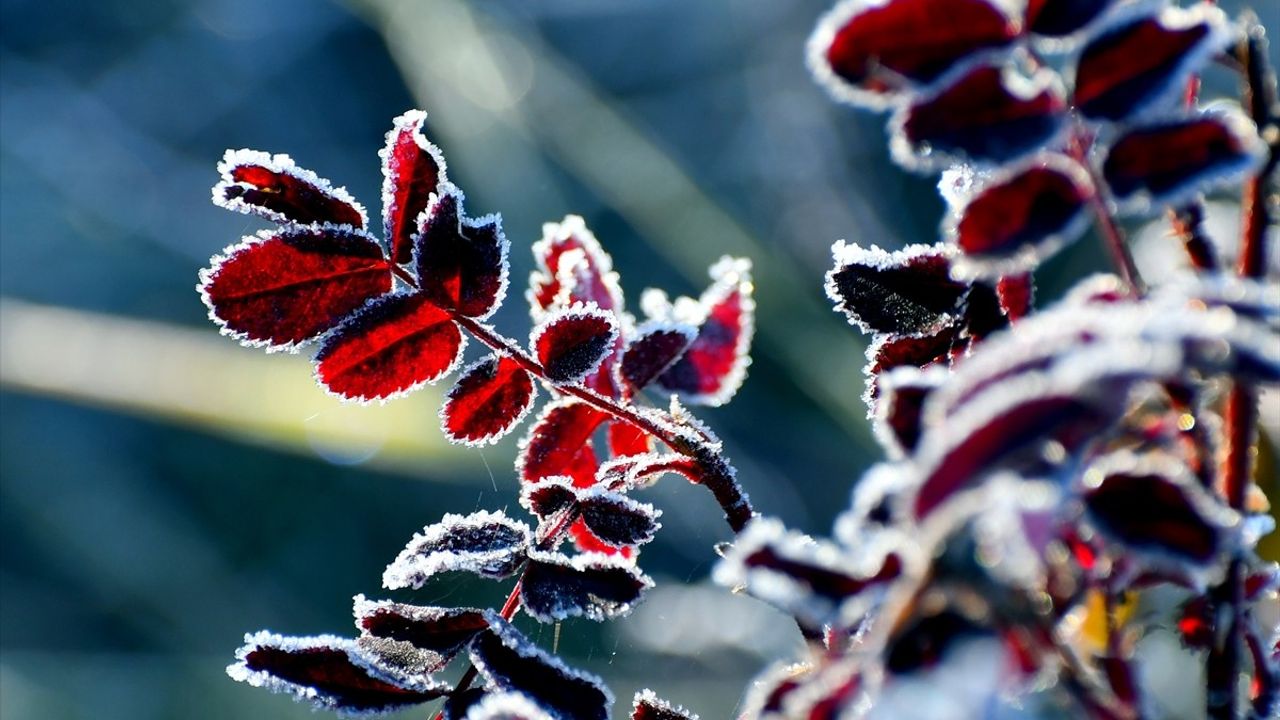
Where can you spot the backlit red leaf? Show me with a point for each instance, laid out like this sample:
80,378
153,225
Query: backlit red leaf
462,263
905,292
655,348
1167,162
330,672
571,267
1144,57
865,51
273,187
598,587
283,288
570,343
557,439
412,170
490,398
510,662
1021,217
992,114
1058,18
713,367
627,439
392,346
648,706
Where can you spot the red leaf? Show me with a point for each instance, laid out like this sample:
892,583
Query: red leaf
712,369
573,341
556,439
1143,58
991,114
891,351
1016,294
655,348
283,288
897,412
548,497
333,673
462,263
1021,217
1058,18
571,267
412,170
491,397
627,439
555,587
648,706
437,629
271,186
396,344
588,542
1170,161
865,51
905,292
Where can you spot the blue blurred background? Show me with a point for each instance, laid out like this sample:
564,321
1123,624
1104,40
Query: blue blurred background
163,491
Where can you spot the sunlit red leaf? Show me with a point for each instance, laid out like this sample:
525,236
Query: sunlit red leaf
570,343
438,629
412,170
1021,217
1167,162
1058,18
488,401
598,587
330,672
906,292
713,367
865,52
1016,294
273,187
488,544
461,262
992,114
1144,57
655,347
648,706
510,662
280,289
627,439
571,267
556,440
395,344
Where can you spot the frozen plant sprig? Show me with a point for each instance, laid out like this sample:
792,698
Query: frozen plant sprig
1062,482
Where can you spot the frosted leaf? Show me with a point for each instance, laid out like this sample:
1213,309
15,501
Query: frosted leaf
835,689
1173,43
559,441
485,543
627,439
640,471
769,691
273,187
457,706
960,182
809,579
571,266
872,54
412,171
571,343
331,673
657,345
436,629
648,706
1063,18
592,585
888,352
461,262
617,519
489,400
898,411
713,367
548,496
905,292
874,506
511,663
282,288
507,706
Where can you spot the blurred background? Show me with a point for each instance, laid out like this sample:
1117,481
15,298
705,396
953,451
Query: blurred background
163,491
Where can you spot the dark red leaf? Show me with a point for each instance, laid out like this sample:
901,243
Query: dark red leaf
283,288
555,587
440,630
991,114
616,519
570,343
1020,218
655,347
627,439
865,51
571,267
332,673
462,263
712,368
648,706
923,642
271,186
890,351
510,662
557,439
1058,18
772,689
588,542
394,345
549,496
1016,294
905,292
488,544
898,422
412,170
1143,58
983,313
1167,162
490,398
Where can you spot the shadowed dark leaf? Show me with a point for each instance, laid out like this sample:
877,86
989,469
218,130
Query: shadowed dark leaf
594,586
438,629
571,343
489,544
1058,18
655,348
905,292
462,263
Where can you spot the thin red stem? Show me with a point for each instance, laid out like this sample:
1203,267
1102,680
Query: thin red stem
1112,236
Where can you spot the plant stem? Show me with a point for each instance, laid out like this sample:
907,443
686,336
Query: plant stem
1112,236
